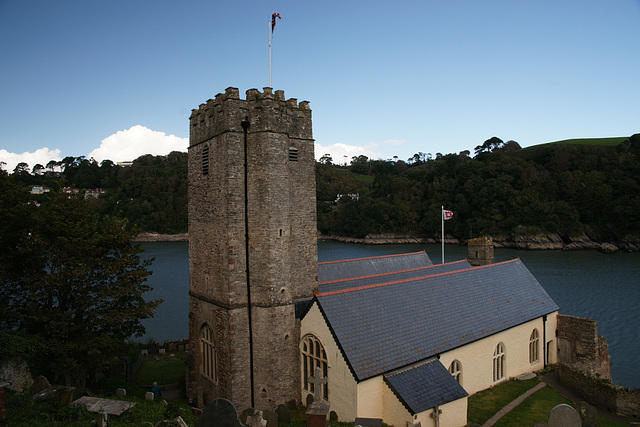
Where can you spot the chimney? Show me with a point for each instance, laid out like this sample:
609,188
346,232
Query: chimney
480,251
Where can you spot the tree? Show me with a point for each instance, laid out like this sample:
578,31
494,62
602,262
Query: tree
71,278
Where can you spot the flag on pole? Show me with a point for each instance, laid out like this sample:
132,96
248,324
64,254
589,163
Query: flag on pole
447,214
274,15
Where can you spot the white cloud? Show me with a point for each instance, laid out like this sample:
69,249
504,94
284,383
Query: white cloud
129,144
40,156
373,150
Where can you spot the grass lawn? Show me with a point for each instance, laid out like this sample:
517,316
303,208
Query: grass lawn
534,409
484,404
163,370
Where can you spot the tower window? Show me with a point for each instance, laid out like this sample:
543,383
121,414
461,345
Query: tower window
293,154
205,160
207,353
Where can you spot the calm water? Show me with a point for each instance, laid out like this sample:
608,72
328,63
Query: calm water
583,283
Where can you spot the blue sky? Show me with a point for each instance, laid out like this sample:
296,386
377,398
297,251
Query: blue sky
383,79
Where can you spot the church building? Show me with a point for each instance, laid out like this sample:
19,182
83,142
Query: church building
398,338
405,341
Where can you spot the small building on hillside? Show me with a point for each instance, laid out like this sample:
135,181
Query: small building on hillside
405,341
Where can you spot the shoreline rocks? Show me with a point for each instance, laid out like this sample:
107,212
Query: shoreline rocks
538,242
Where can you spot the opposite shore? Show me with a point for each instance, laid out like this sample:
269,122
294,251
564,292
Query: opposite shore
536,242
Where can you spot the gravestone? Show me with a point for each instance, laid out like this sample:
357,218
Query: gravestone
148,396
284,414
318,410
219,413
39,384
588,414
120,392
270,417
564,415
64,396
246,414
256,420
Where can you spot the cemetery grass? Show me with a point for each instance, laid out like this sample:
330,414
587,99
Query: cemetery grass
535,409
163,370
484,404
23,411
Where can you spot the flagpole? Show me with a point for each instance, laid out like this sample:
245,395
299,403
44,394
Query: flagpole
269,30
442,235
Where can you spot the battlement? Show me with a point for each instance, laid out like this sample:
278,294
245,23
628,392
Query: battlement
266,111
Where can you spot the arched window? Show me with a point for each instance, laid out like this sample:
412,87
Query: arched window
498,363
534,344
456,370
313,355
207,353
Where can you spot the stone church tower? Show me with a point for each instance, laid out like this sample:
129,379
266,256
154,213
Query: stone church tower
252,246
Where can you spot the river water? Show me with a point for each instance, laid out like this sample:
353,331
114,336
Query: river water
583,283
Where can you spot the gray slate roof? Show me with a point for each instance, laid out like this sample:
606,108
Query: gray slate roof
383,326
393,276
337,270
425,386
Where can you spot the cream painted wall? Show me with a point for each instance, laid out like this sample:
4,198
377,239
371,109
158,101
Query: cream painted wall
374,399
394,412
342,384
476,358
454,414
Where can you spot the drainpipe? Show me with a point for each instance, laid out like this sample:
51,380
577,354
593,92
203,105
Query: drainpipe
245,127
544,341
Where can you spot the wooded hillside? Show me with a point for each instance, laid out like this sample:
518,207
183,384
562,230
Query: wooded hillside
569,188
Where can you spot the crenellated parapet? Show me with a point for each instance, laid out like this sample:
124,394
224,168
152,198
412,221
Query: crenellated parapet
267,111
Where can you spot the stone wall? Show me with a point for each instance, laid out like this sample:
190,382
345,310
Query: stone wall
579,343
585,366
602,393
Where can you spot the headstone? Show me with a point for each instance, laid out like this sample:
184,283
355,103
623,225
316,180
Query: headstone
318,411
284,414
564,415
40,383
148,396
270,417
246,414
162,351
588,414
256,420
64,396
145,352
219,413
121,392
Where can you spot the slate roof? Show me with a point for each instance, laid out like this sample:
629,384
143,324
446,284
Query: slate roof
383,326
394,276
425,386
336,270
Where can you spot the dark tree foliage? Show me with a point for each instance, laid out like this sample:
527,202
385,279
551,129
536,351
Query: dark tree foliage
71,278
503,191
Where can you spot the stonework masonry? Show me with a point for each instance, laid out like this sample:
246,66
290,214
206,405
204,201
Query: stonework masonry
246,281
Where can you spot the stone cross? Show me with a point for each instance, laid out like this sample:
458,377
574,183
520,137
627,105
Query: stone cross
317,380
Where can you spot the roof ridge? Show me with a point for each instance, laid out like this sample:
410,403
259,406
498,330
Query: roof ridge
328,282
371,257
395,282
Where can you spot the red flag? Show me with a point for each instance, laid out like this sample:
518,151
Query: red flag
274,15
447,214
